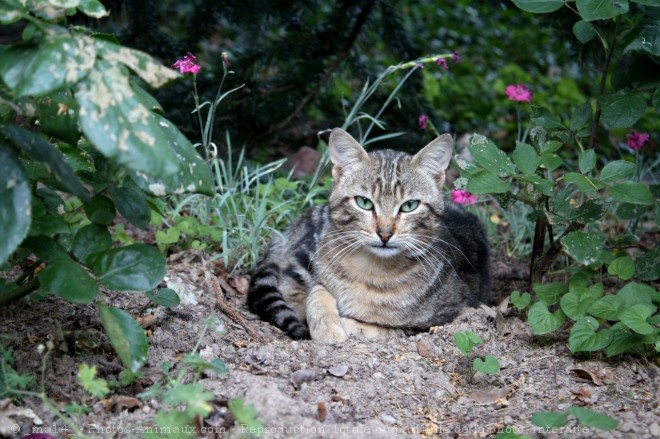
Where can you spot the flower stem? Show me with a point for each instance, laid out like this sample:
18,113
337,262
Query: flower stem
519,121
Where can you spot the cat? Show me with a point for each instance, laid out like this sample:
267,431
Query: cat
386,256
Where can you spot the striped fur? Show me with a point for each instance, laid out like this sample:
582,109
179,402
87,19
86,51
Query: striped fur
372,268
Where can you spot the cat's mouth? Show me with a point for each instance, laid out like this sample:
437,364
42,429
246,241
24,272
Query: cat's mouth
384,250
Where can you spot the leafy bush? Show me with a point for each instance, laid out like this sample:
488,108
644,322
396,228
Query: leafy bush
81,141
572,198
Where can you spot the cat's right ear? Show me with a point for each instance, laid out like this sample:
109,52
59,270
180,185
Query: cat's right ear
345,151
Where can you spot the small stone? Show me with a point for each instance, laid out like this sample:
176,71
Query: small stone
388,419
338,371
378,375
654,429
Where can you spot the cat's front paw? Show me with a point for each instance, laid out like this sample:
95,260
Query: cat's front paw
368,330
327,331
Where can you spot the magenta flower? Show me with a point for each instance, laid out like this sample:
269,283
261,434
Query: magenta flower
518,93
423,119
187,64
463,197
442,62
637,140
225,59
456,57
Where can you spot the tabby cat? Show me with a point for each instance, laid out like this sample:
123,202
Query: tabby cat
384,257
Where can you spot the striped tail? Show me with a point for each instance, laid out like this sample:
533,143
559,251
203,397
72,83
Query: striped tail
266,300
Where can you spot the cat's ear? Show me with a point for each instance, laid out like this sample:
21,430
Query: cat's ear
435,157
344,150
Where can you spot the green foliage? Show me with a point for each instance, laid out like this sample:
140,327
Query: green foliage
246,415
465,342
584,416
63,185
559,170
97,387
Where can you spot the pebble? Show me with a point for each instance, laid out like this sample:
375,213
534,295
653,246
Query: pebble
388,419
378,376
654,429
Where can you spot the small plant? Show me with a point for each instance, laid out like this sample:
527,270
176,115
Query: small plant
587,207
584,417
466,341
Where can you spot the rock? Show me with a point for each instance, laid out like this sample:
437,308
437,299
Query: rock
304,376
388,419
338,371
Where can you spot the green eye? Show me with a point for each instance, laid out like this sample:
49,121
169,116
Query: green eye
409,205
364,203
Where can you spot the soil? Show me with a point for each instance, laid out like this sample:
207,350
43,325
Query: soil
404,387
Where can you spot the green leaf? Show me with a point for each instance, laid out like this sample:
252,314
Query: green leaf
177,423
490,157
58,116
542,321
624,340
521,301
69,281
119,126
589,418
100,210
584,31
93,8
578,300
546,118
648,265
550,292
199,364
635,317
623,267
89,241
591,10
465,341
584,247
137,267
550,146
580,122
11,12
97,387
193,396
15,202
131,203
587,161
584,338
584,183
549,420
40,150
168,236
644,39
632,192
550,161
616,170
539,183
125,335
245,414
484,182
193,175
525,158
539,6
60,60
490,366
630,211
607,308
622,110
145,66
164,297
634,293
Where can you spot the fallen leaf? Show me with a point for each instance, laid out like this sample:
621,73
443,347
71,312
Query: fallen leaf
126,402
338,371
587,374
146,321
304,376
240,343
321,411
486,396
435,329
423,349
337,398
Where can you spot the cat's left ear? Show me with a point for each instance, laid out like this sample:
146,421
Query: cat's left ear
435,157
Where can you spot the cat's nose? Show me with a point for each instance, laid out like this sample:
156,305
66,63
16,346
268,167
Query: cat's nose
384,234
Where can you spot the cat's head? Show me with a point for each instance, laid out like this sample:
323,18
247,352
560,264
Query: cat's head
386,201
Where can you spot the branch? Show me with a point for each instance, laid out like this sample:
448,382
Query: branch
21,291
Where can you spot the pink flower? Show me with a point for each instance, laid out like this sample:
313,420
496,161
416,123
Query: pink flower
456,57
518,93
463,197
637,140
442,62
225,59
423,119
187,64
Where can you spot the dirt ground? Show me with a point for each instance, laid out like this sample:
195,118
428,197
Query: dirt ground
403,387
